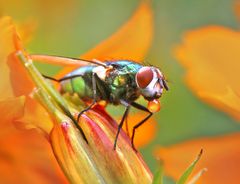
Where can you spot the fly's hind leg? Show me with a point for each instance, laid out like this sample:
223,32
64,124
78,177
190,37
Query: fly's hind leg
74,120
61,79
94,86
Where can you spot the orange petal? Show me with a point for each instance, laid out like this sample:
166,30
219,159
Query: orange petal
26,29
21,84
19,78
35,116
237,9
228,102
6,47
211,57
16,81
145,133
220,157
131,41
10,109
25,156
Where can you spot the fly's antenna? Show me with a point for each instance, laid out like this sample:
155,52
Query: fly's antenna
149,64
165,84
146,63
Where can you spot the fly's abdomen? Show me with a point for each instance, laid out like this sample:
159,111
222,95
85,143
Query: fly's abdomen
79,82
76,85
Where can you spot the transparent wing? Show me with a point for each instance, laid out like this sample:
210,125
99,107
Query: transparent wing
69,64
65,61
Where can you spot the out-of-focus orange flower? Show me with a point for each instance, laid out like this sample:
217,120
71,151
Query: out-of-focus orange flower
59,129
132,41
237,9
211,58
25,156
221,158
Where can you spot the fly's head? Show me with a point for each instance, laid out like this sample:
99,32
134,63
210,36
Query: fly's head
151,82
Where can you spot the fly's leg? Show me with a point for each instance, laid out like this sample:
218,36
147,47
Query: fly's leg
94,86
140,107
62,79
126,126
74,120
120,125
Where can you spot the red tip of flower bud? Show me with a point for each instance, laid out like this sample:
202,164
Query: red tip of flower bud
65,128
154,106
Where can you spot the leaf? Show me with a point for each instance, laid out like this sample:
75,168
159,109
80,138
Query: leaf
222,149
189,170
196,177
158,176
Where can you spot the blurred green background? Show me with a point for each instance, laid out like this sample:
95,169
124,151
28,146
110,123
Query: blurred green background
70,28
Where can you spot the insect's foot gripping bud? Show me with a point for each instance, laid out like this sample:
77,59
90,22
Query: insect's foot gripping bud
79,116
81,131
114,146
133,147
115,141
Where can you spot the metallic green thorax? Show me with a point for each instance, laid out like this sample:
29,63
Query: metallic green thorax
119,83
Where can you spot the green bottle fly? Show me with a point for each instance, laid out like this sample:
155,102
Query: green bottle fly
118,82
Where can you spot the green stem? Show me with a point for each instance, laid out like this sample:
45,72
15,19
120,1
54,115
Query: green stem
41,83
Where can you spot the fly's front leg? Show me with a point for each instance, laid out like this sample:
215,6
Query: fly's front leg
140,107
120,125
94,86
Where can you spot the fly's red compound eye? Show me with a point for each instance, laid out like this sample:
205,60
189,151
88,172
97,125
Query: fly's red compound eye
144,77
